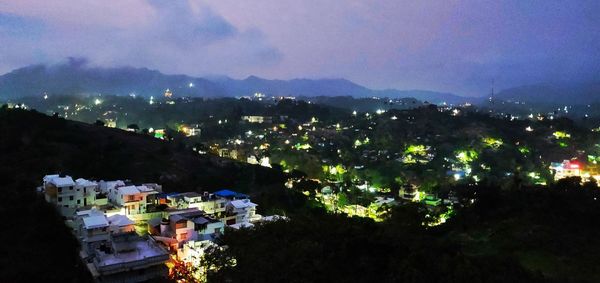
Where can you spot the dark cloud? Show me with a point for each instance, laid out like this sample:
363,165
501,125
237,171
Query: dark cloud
454,45
173,36
175,21
13,25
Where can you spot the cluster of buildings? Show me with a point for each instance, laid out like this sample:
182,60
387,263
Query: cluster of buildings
573,168
131,233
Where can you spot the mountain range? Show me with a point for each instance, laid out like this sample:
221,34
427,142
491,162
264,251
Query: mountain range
76,77
557,93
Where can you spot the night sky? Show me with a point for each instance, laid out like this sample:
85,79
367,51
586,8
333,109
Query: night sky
456,46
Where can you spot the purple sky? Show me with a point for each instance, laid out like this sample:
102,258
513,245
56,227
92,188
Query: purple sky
445,45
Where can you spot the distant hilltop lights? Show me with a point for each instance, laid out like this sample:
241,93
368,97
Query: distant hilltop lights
168,93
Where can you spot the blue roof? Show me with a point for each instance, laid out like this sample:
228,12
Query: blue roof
228,194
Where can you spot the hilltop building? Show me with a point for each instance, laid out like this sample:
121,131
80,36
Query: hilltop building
104,214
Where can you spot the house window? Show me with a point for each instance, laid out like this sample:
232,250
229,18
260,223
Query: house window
71,198
84,190
59,199
59,190
78,201
71,188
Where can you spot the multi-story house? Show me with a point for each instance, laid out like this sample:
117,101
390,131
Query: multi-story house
131,199
69,195
243,210
187,226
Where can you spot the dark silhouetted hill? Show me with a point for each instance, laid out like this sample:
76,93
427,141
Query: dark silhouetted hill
76,77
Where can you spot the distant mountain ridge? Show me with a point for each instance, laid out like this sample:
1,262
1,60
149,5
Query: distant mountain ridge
554,93
76,77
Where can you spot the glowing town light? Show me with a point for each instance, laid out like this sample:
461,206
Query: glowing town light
220,122
380,111
561,135
456,177
394,118
287,142
97,101
354,112
45,96
529,129
455,112
300,128
191,85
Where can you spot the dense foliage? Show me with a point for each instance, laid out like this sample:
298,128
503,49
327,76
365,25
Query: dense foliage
532,234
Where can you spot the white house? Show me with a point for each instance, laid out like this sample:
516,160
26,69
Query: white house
209,203
244,211
89,189
93,229
131,199
187,226
67,194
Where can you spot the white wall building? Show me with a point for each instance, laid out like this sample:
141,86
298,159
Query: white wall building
244,210
69,195
131,199
206,202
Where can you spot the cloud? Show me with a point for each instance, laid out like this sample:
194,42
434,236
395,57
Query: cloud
17,26
177,21
173,36
454,45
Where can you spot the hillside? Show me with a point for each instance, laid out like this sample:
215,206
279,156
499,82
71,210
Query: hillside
33,144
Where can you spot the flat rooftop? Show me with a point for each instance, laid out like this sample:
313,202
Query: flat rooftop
143,253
